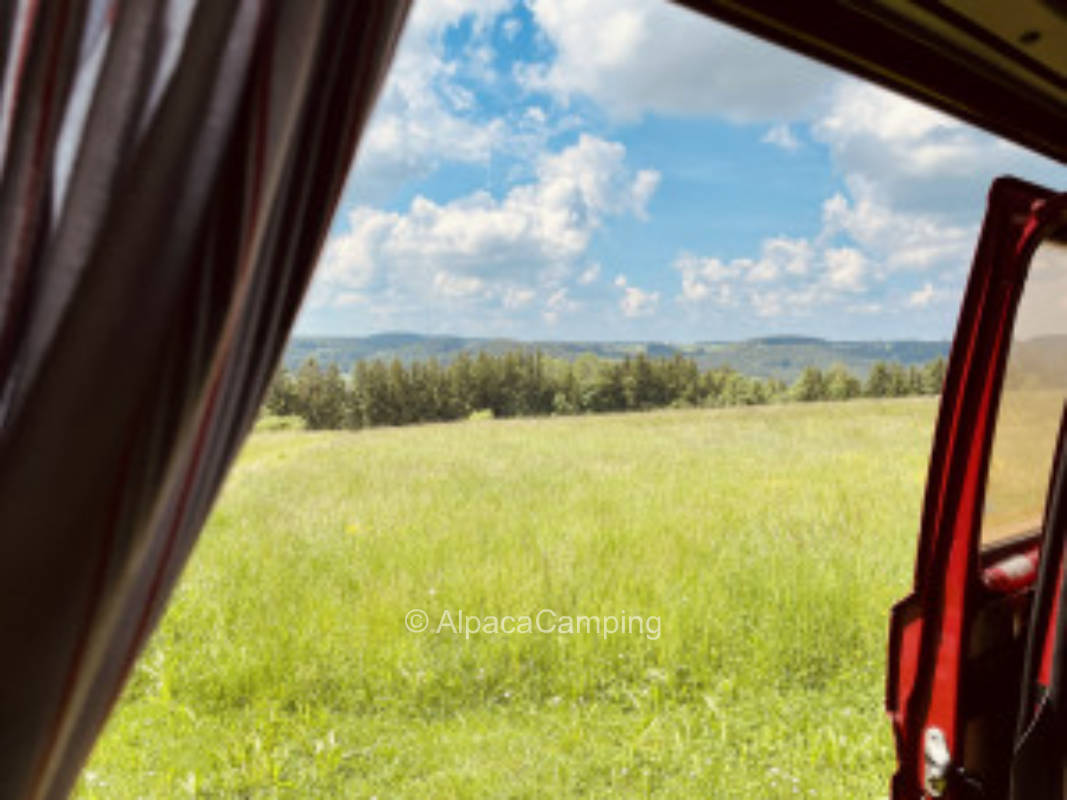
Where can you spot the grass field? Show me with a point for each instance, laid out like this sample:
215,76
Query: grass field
769,542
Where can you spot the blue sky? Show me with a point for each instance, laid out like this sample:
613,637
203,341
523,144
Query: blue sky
624,169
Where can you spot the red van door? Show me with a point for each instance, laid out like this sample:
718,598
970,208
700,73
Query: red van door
958,642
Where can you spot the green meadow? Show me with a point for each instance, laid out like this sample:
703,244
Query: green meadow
768,543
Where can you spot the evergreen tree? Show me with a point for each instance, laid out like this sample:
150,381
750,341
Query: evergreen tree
398,392
529,383
810,386
879,381
333,400
899,381
842,384
933,376
376,400
281,394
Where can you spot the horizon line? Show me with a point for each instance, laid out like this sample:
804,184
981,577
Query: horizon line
763,338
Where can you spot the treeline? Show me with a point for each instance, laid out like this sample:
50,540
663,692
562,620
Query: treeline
529,383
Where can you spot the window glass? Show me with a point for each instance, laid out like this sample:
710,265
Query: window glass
1035,386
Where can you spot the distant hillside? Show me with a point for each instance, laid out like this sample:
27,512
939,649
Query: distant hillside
786,357
1038,362
783,357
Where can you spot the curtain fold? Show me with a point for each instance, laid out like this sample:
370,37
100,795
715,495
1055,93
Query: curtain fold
168,172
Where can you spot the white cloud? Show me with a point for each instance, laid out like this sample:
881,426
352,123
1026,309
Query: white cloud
913,179
535,114
349,299
914,182
558,299
914,159
451,285
703,278
638,56
426,116
422,118
758,271
863,109
644,187
794,255
349,260
794,302
558,304
781,135
865,308
517,297
480,248
700,274
767,304
512,28
902,239
638,303
635,57
921,298
846,268
791,277
590,274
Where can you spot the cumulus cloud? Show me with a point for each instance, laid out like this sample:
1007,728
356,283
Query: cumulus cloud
870,308
913,159
558,304
589,274
517,296
424,116
488,249
901,239
708,277
632,57
791,276
451,285
781,135
792,256
430,112
637,302
512,28
912,180
922,297
846,268
699,274
795,302
799,278
349,299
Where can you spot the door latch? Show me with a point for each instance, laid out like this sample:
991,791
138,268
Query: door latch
939,771
937,762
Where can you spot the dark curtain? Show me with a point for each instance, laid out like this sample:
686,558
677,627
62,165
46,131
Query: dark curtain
169,172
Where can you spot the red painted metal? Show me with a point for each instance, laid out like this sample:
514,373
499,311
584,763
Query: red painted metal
929,629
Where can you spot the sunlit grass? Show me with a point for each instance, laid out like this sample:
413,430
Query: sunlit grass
769,541
1021,460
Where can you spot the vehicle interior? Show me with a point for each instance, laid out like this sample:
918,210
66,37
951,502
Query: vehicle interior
976,682
971,652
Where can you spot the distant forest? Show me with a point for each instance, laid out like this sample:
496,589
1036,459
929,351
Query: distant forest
529,383
783,357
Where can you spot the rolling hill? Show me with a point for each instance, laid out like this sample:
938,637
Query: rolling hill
783,357
1038,362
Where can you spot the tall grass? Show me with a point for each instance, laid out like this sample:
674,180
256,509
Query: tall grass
769,541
